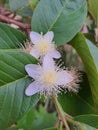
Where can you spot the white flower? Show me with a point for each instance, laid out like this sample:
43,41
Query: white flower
48,78
43,45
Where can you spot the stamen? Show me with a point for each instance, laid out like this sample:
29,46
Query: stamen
49,77
73,85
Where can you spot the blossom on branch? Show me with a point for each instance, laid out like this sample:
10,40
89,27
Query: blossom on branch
48,78
43,45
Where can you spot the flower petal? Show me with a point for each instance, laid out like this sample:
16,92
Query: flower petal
32,89
35,37
34,53
49,36
56,54
48,63
32,70
63,77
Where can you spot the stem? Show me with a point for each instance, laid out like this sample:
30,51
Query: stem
46,104
75,123
65,117
61,113
61,125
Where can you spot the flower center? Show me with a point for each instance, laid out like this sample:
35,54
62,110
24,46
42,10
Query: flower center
49,77
43,47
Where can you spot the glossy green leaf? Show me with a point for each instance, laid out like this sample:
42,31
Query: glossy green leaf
80,103
89,119
93,9
10,38
63,17
37,120
89,55
13,81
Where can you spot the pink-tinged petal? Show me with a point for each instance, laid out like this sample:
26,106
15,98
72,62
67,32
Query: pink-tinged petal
33,70
49,36
84,29
48,63
34,53
32,89
56,54
35,37
63,77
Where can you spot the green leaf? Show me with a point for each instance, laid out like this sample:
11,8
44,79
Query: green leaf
37,120
89,119
25,12
63,17
80,103
93,9
87,127
10,38
16,5
13,81
22,7
89,55
82,126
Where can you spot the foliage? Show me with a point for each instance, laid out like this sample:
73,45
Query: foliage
37,120
66,18
60,20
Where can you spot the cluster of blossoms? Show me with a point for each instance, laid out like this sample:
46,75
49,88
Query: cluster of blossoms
48,77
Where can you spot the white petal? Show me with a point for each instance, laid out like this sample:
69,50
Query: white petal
48,63
63,78
32,89
35,37
49,36
32,70
56,54
34,53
